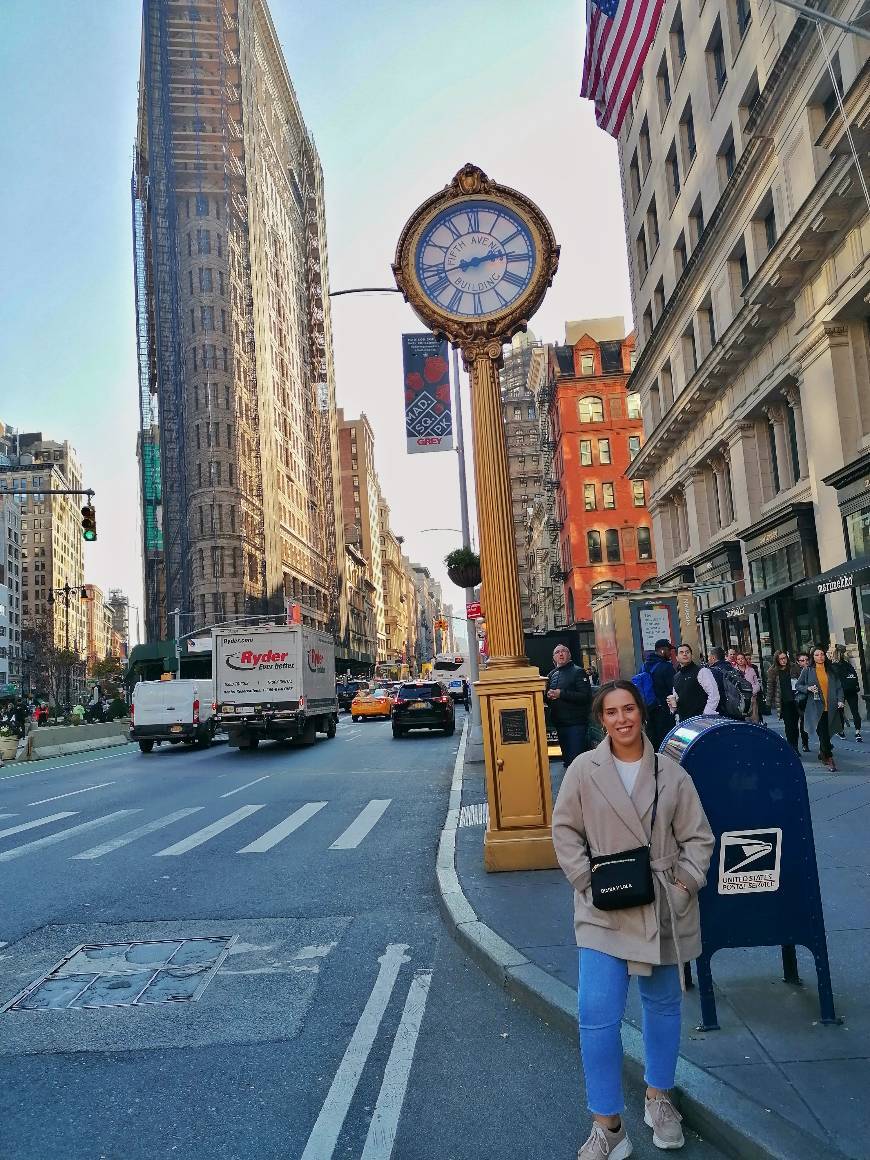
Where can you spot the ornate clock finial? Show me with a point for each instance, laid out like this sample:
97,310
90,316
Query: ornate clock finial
470,179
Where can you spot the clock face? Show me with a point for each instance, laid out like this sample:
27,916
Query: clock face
475,259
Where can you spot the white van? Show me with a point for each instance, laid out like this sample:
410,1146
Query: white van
172,711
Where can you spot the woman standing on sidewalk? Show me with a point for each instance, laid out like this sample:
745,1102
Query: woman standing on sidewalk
613,798
781,679
820,690
748,672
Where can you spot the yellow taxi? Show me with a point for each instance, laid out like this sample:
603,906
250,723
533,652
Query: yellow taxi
371,703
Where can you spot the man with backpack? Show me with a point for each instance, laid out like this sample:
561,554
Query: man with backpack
735,692
655,682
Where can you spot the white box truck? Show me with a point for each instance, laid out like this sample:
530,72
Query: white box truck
276,681
172,711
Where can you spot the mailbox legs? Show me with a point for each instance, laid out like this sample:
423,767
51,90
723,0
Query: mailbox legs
709,1018
823,975
789,965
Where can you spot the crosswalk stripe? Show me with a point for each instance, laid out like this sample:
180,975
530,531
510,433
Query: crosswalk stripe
361,825
33,825
132,835
278,833
51,839
203,835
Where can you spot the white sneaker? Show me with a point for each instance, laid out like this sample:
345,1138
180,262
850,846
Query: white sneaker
606,1145
660,1114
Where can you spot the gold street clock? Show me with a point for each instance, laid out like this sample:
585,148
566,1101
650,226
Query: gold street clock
475,260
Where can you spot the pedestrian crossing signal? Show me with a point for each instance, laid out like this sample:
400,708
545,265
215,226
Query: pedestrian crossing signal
89,523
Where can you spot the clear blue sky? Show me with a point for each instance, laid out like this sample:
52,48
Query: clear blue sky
398,96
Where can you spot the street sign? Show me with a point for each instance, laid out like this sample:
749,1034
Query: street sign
473,611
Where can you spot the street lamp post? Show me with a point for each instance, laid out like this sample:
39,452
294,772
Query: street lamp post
65,593
474,261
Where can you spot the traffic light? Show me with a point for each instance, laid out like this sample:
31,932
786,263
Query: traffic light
89,523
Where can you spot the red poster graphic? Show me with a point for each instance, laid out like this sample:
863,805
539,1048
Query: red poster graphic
428,414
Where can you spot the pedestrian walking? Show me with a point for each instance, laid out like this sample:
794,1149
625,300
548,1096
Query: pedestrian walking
569,696
612,798
851,690
820,689
695,691
781,681
655,681
803,663
735,692
749,673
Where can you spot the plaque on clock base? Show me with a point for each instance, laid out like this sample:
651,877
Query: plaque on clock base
518,787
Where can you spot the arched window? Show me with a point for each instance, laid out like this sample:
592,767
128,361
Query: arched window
570,606
606,586
591,409
593,546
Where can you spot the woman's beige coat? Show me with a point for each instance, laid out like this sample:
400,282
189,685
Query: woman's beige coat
594,815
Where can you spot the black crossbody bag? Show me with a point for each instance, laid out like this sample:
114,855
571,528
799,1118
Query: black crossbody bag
623,880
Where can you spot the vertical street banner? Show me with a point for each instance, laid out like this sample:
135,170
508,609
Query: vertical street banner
428,415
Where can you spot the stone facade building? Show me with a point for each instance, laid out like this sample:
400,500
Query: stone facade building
748,235
10,592
360,493
238,441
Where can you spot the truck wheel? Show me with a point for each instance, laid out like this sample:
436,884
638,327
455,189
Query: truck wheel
205,740
331,726
146,746
309,735
355,718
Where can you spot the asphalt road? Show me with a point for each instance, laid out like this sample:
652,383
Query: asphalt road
294,890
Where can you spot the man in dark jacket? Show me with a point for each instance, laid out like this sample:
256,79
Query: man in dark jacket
851,689
660,719
719,665
569,696
695,690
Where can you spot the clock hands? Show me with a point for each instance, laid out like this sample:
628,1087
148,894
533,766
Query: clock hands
470,263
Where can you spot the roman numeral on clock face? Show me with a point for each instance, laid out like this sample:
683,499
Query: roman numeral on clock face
513,279
431,272
449,223
455,302
438,284
473,221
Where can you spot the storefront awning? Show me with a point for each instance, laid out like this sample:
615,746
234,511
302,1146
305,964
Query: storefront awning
745,605
844,576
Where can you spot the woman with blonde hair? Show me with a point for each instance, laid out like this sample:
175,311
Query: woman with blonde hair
632,839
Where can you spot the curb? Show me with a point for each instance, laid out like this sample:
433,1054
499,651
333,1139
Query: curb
72,747
748,1133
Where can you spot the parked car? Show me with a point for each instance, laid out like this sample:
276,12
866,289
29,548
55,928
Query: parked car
346,691
423,705
376,703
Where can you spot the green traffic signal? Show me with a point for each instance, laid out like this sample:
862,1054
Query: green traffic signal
89,523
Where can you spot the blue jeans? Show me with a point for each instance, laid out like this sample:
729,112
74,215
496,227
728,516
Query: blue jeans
572,739
602,992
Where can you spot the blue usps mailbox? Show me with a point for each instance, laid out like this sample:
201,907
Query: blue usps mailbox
763,883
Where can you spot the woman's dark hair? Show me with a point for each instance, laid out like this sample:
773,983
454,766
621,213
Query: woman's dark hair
780,652
612,687
820,648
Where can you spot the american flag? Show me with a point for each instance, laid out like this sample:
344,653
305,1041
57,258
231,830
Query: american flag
618,36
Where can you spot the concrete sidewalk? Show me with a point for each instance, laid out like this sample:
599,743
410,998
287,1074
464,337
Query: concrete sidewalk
773,1082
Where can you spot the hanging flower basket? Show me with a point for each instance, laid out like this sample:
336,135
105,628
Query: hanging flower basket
463,567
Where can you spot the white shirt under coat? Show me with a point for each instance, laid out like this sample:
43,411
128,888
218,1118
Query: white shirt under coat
708,683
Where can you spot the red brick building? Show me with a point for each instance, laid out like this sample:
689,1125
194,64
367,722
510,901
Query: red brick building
605,535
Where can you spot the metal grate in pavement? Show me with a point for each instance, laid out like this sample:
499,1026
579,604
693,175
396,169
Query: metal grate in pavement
474,815
127,974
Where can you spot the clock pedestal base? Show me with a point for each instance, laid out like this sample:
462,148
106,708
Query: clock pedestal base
518,787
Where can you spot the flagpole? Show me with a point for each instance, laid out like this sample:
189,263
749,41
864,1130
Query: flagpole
825,18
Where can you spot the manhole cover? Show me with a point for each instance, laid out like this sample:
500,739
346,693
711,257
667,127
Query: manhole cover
127,974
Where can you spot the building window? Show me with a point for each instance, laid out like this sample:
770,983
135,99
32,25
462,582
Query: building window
633,446
604,451
201,205
727,159
647,324
678,39
643,142
608,495
742,268
593,547
206,317
205,279
591,409
611,539
638,496
673,175
642,256
716,59
203,241
530,414
770,229
687,137
743,15
659,298
664,87
589,500
586,452
633,405
518,414
634,179
644,544
587,364
681,256
774,462
830,104
690,351
696,222
652,225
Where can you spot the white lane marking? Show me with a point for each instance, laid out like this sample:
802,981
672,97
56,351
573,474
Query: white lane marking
38,822
72,793
132,835
324,1135
278,833
7,815
385,1120
247,785
69,765
361,825
208,832
17,851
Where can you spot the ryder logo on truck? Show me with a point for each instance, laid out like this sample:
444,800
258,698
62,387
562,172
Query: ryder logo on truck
316,661
249,661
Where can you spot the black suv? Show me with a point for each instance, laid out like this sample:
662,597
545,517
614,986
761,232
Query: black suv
346,691
423,705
